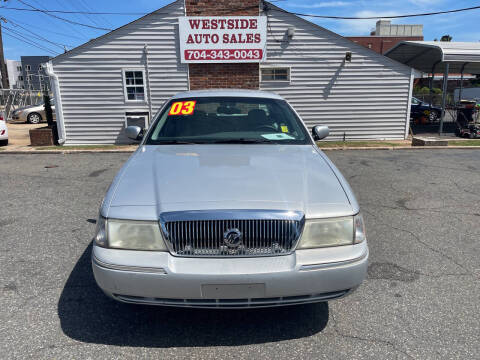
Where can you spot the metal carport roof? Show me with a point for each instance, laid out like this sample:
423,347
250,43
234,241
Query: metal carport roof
428,55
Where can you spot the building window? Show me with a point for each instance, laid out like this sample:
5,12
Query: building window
40,67
30,77
275,74
134,85
20,77
28,68
19,68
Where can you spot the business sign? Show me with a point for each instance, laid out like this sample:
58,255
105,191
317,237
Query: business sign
224,39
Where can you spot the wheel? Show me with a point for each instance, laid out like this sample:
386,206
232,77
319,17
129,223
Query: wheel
433,116
34,118
4,142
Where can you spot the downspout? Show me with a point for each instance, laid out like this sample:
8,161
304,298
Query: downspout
409,102
444,97
149,93
54,84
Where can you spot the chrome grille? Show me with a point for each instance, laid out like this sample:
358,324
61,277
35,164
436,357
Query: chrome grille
210,234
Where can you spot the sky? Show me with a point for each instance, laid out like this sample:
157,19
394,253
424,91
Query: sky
53,34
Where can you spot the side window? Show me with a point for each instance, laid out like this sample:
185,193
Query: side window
134,85
275,74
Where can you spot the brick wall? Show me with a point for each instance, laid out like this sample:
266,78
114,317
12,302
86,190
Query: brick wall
223,76
381,44
222,7
211,76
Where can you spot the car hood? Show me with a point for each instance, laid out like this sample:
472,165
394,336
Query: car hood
167,178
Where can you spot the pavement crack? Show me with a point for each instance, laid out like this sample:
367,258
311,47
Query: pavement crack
367,339
425,244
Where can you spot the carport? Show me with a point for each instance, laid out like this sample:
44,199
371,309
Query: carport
439,56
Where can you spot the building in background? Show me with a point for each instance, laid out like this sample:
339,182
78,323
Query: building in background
386,35
15,74
34,74
125,76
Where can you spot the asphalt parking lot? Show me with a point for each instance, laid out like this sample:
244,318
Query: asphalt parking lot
420,300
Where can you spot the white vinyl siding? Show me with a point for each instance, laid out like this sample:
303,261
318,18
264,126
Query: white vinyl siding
366,98
91,76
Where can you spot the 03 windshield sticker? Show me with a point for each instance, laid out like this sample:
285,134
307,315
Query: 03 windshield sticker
182,108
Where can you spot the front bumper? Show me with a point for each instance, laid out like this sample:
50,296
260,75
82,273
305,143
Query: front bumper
159,278
19,117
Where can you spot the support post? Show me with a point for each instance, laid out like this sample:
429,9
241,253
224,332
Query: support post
444,97
461,82
149,93
431,83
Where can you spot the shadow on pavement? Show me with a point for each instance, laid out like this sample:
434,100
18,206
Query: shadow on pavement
87,315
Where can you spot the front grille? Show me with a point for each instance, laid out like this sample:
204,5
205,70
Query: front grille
234,303
204,237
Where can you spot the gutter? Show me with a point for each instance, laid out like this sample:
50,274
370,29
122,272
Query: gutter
58,103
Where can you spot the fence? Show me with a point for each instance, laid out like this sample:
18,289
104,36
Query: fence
12,99
435,99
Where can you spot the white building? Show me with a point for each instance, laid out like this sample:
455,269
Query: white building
15,75
367,97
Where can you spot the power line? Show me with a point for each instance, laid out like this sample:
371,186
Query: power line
73,12
30,43
48,30
277,9
46,12
60,45
374,17
17,33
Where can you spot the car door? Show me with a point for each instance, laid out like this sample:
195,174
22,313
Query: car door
415,108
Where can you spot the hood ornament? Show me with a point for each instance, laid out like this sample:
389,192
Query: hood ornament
232,238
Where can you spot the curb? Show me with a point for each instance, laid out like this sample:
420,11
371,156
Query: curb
19,152
65,152
399,148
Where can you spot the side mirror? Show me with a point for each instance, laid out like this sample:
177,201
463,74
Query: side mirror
320,132
134,132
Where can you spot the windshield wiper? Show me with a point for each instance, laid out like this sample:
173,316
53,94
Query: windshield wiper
241,141
177,142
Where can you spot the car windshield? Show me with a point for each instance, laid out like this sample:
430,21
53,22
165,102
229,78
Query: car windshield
227,120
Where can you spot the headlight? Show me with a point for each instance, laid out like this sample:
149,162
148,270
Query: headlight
129,234
319,233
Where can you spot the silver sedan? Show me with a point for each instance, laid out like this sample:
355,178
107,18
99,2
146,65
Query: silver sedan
228,203
32,114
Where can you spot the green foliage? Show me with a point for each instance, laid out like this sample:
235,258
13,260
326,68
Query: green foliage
446,38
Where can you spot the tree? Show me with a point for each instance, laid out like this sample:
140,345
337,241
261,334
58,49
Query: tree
446,38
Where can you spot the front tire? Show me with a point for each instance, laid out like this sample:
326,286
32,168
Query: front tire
34,118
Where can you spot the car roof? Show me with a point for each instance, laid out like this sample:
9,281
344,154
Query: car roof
228,93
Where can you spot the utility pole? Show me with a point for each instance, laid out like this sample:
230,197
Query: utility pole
3,66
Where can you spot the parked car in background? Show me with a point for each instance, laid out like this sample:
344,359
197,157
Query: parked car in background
420,108
32,114
229,203
3,130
